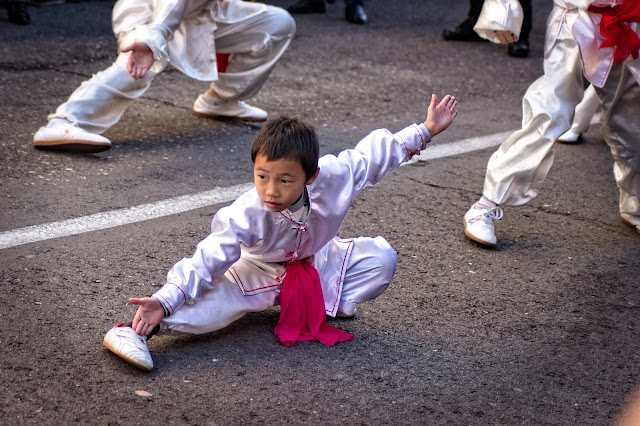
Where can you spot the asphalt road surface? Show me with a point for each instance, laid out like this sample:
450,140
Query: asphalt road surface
542,330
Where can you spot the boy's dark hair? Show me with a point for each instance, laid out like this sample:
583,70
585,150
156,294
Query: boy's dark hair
287,137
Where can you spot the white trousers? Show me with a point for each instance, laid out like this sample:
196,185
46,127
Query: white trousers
255,45
369,270
585,112
517,169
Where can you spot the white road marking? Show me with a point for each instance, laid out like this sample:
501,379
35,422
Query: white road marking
113,218
184,203
461,147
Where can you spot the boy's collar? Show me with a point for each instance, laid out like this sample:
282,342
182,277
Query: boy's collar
300,202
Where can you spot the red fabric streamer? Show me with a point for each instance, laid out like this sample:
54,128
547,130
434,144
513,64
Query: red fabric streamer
616,32
302,314
222,60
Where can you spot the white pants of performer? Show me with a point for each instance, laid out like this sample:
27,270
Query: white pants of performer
370,268
255,44
585,111
517,169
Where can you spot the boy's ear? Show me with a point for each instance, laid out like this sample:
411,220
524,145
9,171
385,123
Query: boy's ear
312,178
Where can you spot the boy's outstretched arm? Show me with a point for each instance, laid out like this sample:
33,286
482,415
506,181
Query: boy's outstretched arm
440,116
150,313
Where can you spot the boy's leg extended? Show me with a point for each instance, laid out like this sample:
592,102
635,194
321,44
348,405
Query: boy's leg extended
255,45
369,270
621,129
217,308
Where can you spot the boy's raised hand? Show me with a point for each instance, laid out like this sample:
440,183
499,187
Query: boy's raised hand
140,60
150,313
440,116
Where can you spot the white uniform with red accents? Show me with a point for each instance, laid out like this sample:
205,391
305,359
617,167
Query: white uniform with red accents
517,169
240,266
186,34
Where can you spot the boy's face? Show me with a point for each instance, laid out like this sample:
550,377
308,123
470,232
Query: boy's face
279,183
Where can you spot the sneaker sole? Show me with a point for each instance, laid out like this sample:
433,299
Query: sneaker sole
227,117
570,142
476,239
73,146
126,358
626,222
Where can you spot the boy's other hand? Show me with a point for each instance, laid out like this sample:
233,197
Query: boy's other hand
140,60
440,116
150,313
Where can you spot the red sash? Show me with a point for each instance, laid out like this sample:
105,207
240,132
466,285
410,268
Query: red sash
222,60
302,314
616,32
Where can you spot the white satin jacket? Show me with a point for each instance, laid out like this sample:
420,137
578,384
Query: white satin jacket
506,15
180,32
251,244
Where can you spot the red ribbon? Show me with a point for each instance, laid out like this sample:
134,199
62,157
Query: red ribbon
302,313
222,60
616,32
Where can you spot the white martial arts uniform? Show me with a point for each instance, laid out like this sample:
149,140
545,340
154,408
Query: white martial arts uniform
240,266
186,34
518,168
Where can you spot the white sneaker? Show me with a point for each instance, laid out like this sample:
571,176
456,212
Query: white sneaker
221,108
631,220
68,137
478,224
570,137
124,342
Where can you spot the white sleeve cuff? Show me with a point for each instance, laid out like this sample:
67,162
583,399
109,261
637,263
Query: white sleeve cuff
171,297
499,15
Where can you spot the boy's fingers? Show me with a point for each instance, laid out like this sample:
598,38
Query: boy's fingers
128,48
449,101
434,100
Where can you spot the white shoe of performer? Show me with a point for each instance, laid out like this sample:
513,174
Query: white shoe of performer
221,108
69,137
124,342
478,224
631,220
570,136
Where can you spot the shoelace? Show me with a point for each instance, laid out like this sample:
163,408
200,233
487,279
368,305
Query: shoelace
494,213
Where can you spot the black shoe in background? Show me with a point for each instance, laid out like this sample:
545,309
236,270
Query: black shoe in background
308,6
354,13
18,14
519,49
463,32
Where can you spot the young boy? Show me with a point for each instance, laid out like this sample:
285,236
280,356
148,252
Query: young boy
277,244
